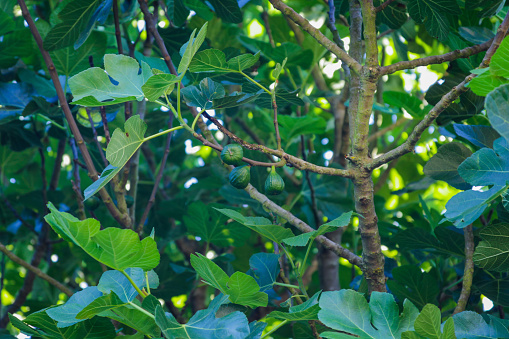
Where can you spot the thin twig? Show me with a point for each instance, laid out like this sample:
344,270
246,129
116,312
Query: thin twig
159,176
76,183
437,59
55,176
303,227
35,270
96,139
383,5
468,274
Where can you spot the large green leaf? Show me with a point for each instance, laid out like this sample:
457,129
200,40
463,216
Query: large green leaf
214,60
241,288
445,241
444,164
104,303
210,225
471,325
74,17
189,49
485,83
435,15
465,207
177,12
203,95
133,318
158,85
120,81
260,225
45,327
493,252
487,166
264,267
117,282
308,310
65,315
69,61
428,325
292,127
204,324
411,283
114,247
302,239
348,311
495,289
124,144
497,106
478,135
228,10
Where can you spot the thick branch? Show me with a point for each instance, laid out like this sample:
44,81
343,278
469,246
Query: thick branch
303,227
437,59
468,274
92,172
35,270
315,33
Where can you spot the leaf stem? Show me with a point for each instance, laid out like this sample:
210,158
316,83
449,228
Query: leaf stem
148,283
281,324
256,83
142,310
286,285
143,294
196,118
163,133
306,256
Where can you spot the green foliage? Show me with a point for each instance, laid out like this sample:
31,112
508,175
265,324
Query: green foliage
347,311
116,248
239,60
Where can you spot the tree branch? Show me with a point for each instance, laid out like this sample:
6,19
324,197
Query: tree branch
296,162
303,227
383,6
123,219
437,59
35,270
315,33
468,274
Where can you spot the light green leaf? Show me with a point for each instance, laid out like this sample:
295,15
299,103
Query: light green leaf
241,288
209,60
497,106
493,252
107,174
499,64
348,311
428,323
94,87
302,239
243,61
210,272
485,83
133,318
75,17
192,47
260,225
114,247
308,310
124,144
65,315
158,85
244,290
99,305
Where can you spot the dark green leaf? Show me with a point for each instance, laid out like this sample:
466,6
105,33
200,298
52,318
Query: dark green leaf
434,14
228,10
413,284
493,252
203,95
479,135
